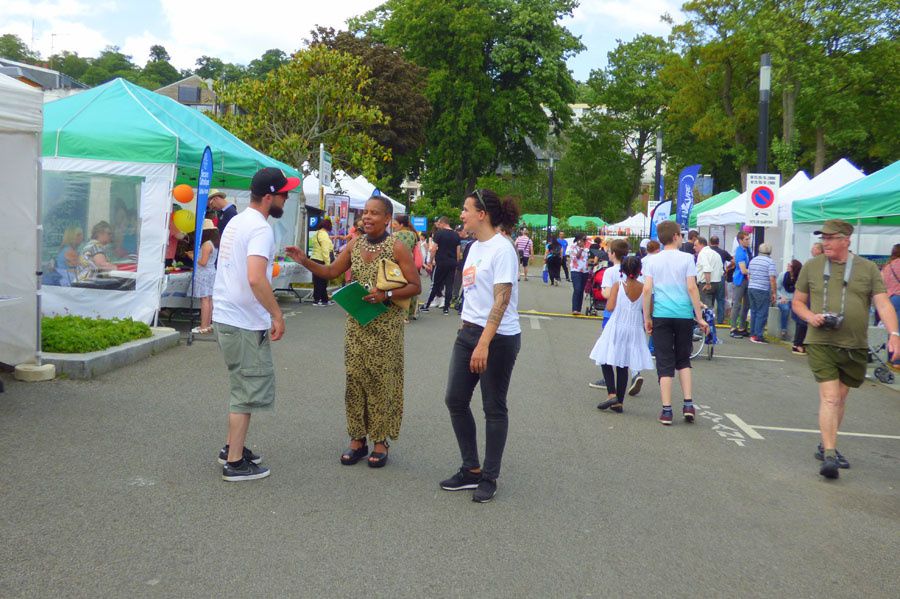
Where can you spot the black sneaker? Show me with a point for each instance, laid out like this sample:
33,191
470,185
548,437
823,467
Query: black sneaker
830,467
425,309
248,455
486,490
841,460
636,384
601,384
243,471
446,311
461,481
605,405
734,334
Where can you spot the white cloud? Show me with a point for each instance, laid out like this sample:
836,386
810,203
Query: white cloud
593,16
45,10
57,34
236,31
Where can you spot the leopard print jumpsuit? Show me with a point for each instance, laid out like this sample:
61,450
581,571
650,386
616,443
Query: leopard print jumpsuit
373,357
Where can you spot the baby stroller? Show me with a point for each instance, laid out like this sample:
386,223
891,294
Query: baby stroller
594,302
883,372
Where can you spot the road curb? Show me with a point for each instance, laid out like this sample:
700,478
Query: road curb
93,364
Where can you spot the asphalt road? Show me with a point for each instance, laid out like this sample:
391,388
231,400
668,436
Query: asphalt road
110,487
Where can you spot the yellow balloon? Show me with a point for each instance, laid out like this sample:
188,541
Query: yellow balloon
184,221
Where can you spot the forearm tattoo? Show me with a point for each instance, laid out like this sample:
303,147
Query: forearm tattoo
502,295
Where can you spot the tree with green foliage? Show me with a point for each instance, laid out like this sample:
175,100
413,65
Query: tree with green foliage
632,95
494,68
398,92
13,48
69,63
319,96
265,64
158,71
213,68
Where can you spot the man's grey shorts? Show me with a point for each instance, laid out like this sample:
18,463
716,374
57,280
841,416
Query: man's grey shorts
251,374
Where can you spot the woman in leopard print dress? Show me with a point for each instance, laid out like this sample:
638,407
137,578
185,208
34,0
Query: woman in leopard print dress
373,355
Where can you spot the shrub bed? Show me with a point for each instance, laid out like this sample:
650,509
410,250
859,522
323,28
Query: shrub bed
77,335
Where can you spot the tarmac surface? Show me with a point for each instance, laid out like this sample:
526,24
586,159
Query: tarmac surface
111,487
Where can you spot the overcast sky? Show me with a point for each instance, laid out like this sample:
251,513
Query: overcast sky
239,31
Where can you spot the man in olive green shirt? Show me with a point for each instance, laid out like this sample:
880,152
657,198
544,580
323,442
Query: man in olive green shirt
837,350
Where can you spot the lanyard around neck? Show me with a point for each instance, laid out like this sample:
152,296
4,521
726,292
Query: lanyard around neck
826,274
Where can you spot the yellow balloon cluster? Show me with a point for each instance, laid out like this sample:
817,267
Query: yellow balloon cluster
184,221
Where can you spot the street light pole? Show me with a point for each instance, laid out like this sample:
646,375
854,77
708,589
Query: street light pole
657,193
762,141
550,203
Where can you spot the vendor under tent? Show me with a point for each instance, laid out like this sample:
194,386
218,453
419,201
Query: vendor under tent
871,205
585,222
537,221
20,128
111,157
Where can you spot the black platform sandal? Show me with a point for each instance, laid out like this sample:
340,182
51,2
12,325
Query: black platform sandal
379,458
351,456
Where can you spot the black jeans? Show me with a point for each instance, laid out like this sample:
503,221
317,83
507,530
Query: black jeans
320,287
443,277
578,281
494,386
800,328
617,382
565,268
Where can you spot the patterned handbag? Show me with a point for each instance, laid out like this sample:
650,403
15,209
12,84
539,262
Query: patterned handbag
388,277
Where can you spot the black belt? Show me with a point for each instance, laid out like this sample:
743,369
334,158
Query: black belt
471,325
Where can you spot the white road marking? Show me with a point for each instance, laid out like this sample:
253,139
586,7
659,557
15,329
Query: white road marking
748,430
535,319
816,431
717,356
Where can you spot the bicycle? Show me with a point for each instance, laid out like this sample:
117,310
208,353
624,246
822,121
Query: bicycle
709,340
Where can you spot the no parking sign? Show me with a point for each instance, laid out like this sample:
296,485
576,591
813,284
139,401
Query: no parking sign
762,203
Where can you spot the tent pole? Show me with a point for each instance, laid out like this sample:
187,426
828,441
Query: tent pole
38,355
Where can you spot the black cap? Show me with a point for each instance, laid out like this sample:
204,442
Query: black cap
272,180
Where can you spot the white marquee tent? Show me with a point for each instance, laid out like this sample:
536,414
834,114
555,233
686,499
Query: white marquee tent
21,122
637,224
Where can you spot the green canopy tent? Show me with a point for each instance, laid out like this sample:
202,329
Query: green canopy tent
709,203
537,221
111,156
585,222
871,204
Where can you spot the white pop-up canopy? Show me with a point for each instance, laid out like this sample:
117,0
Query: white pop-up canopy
637,224
21,121
735,211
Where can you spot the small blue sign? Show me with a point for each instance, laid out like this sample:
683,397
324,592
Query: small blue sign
420,223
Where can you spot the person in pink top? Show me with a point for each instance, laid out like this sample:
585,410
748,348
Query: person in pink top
524,248
890,274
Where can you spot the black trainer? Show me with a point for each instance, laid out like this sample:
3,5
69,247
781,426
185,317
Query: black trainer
605,405
636,383
243,471
461,481
425,308
601,384
486,490
841,460
248,455
830,468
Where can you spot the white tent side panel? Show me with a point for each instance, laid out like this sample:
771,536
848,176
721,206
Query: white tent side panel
155,204
19,155
21,120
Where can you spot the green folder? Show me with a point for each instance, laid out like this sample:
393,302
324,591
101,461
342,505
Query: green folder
350,298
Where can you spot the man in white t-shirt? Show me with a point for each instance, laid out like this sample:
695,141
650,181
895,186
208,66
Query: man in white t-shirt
710,271
246,316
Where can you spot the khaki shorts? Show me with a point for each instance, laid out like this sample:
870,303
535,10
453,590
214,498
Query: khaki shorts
830,363
251,374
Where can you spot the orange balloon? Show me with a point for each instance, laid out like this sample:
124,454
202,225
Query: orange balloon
183,193
276,268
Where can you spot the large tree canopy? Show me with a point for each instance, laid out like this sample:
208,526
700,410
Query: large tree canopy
494,67
319,96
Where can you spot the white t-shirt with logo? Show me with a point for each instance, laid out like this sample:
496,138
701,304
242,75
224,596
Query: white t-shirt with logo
247,234
490,263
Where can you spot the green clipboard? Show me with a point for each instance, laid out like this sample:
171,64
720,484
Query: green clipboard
350,298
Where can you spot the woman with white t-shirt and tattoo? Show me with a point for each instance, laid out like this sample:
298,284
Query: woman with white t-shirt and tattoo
487,343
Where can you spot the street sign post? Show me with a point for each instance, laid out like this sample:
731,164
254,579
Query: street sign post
762,207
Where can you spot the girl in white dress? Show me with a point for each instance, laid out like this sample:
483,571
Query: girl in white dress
623,344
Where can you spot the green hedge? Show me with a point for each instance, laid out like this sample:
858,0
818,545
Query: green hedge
76,334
